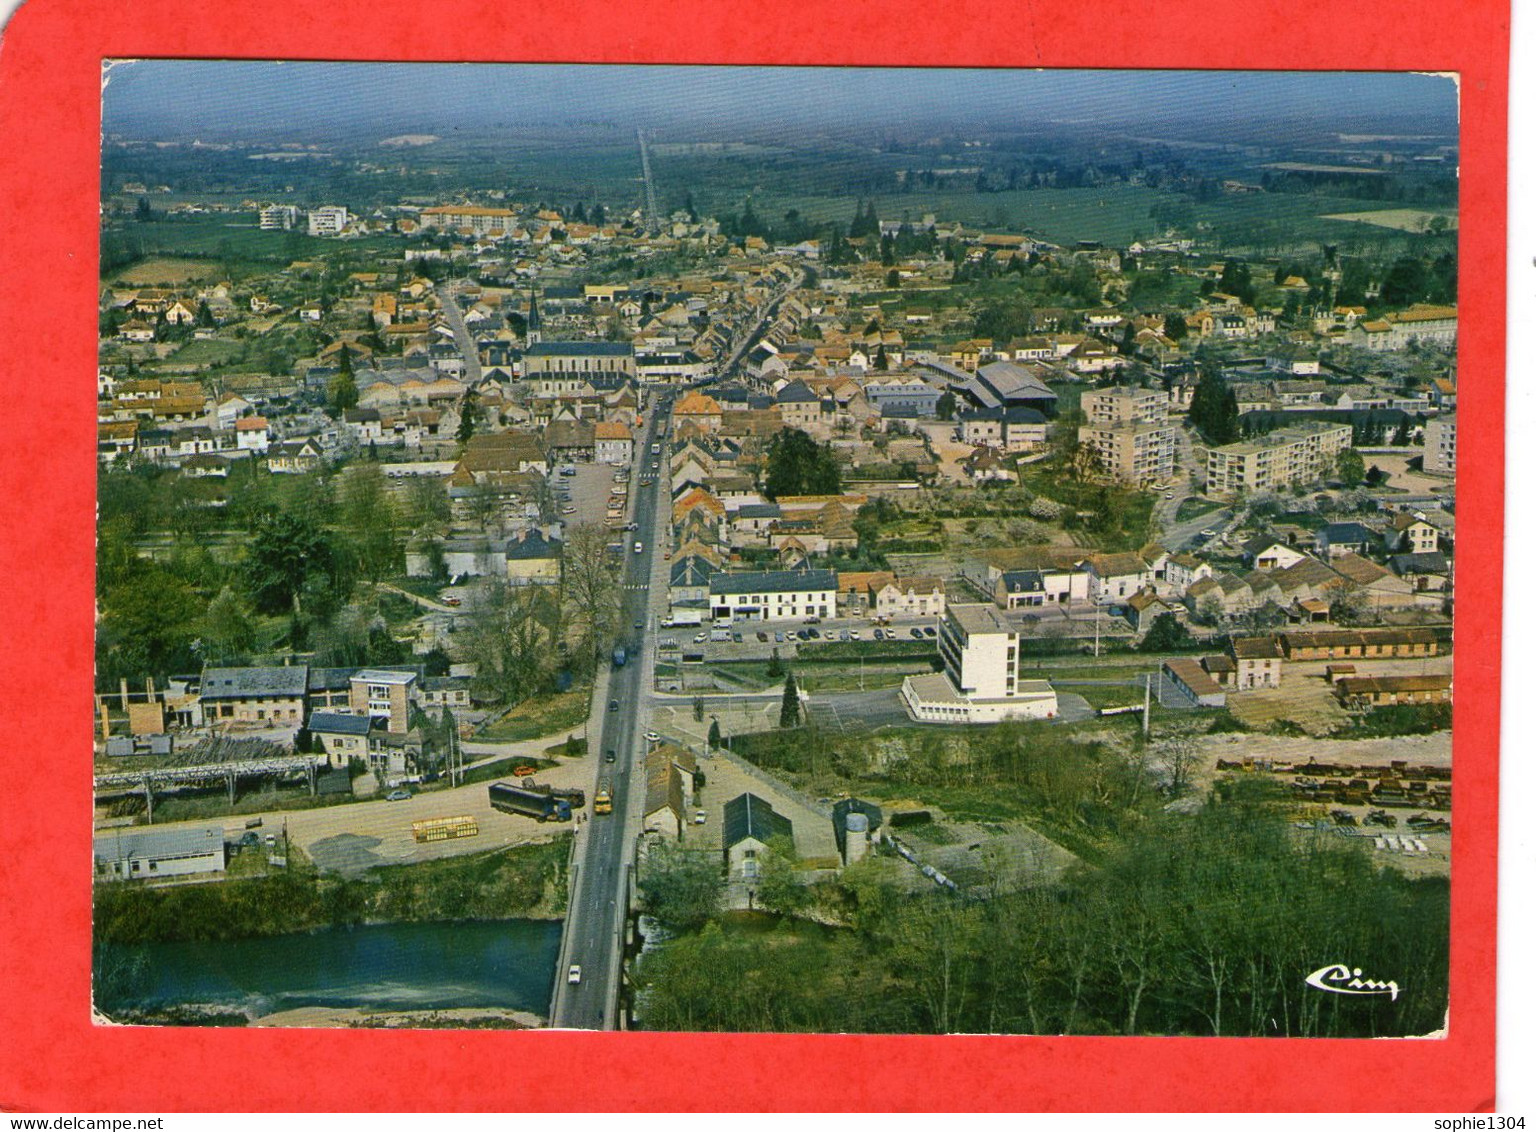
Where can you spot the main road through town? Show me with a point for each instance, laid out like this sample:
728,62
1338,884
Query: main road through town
596,920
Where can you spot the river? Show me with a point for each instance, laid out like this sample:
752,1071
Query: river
381,967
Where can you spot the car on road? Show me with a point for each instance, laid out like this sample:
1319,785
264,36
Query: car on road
647,482
453,601
639,546
613,705
574,976
1207,533
609,756
666,556
639,625
699,817
398,796
1167,495
653,737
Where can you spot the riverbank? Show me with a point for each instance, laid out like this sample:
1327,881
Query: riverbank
525,882
355,1018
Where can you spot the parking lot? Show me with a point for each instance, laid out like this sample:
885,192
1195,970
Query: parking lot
757,640
583,497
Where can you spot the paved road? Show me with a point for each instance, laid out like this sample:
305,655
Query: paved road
595,924
447,298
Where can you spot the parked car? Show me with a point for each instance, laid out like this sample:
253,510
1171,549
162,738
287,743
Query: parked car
393,796
854,633
929,631
842,635
653,737
879,634
778,636
916,632
763,637
736,637
700,638
815,636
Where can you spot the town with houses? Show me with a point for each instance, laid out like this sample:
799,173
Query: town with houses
646,538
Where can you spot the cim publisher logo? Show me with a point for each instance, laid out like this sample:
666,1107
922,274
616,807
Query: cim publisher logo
1339,978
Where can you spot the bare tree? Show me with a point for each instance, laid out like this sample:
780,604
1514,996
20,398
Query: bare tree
591,588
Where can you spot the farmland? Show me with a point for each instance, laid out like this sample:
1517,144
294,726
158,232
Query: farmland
1398,219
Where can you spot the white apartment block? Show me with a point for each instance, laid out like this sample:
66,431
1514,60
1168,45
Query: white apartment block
279,217
1128,430
980,682
331,220
1440,445
1297,454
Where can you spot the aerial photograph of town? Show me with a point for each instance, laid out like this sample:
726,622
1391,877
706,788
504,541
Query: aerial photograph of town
820,550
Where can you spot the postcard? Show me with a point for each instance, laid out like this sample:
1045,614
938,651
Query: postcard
953,561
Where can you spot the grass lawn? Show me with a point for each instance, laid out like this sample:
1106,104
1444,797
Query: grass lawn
825,676
208,352
1195,506
560,713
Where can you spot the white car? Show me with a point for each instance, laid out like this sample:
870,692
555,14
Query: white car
567,510
575,974
653,737
700,638
699,817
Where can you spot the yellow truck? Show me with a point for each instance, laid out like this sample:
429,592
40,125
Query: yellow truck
444,829
602,801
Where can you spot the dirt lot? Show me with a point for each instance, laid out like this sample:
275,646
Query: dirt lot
1309,702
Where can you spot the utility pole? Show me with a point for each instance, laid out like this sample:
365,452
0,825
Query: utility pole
1098,613
1146,709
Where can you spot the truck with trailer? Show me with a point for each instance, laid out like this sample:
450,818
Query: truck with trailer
533,801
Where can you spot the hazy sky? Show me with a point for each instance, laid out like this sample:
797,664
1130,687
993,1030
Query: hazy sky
195,96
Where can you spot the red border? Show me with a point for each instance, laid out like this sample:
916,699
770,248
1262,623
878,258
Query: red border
49,129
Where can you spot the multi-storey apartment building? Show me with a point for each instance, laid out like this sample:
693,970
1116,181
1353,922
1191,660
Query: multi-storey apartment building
330,220
1128,431
463,217
1297,454
1440,445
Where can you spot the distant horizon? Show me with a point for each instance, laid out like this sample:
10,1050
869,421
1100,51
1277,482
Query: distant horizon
214,99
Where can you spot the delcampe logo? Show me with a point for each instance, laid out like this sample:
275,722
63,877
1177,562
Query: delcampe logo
1338,978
